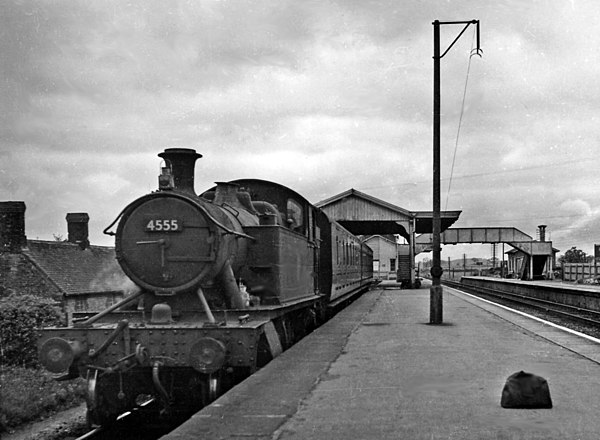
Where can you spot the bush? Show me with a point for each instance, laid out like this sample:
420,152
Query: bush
28,394
20,316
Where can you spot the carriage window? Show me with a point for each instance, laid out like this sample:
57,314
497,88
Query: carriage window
311,225
294,214
346,254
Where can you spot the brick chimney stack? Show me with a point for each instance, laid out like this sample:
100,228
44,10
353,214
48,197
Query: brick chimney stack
77,227
12,226
542,229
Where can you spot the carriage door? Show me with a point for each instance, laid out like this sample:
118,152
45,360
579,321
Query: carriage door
314,237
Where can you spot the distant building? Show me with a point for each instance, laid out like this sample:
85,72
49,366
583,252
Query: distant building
385,256
518,264
80,276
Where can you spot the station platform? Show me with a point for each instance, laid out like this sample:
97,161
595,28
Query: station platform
378,370
552,284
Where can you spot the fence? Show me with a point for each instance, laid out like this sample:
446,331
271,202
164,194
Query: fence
456,274
579,271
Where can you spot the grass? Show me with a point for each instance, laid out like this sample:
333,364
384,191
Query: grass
28,394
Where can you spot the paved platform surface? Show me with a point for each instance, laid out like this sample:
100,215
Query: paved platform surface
378,370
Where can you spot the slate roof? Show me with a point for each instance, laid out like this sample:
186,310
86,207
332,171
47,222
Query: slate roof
76,271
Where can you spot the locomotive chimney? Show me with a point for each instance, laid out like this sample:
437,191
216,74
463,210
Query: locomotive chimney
77,228
12,226
542,229
181,161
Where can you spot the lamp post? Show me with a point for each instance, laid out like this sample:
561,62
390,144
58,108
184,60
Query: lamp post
436,314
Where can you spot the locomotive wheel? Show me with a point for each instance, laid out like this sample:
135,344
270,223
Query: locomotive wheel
110,395
213,388
204,390
102,413
98,412
95,418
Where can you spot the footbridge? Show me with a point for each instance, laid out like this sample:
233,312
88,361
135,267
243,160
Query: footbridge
534,257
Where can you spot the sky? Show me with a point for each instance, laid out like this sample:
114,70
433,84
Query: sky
321,96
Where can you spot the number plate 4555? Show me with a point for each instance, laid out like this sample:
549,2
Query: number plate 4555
164,225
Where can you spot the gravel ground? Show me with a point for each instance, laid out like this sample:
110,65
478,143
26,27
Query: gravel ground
64,425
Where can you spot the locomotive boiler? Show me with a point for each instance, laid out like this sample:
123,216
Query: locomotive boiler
227,280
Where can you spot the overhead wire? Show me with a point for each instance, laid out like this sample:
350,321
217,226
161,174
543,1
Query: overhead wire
462,111
582,160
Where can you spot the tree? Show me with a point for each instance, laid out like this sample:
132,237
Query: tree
575,255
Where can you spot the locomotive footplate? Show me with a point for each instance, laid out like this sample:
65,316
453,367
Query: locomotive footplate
256,313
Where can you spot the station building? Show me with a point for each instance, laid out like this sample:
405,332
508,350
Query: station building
520,265
385,256
363,214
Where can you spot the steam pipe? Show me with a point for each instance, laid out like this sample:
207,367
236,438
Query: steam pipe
234,296
161,390
205,306
112,308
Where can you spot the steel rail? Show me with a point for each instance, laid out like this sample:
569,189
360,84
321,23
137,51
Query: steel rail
91,433
535,300
540,304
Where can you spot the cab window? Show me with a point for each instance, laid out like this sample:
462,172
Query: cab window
294,215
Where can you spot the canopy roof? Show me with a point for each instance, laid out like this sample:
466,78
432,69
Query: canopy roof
363,214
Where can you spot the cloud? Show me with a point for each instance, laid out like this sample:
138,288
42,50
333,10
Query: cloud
318,96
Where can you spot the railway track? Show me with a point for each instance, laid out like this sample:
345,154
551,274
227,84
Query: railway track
92,434
128,426
125,431
576,318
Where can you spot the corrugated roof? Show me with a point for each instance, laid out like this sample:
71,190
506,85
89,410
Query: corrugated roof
77,271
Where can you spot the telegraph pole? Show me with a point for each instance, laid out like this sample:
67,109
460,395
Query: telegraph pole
435,295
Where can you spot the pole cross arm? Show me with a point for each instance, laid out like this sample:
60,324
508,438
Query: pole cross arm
478,50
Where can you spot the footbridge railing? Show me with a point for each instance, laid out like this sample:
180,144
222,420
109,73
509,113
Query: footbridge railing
511,236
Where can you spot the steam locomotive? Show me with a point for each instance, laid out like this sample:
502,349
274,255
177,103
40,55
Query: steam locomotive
227,281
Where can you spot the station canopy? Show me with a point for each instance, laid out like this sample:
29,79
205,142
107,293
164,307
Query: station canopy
363,214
